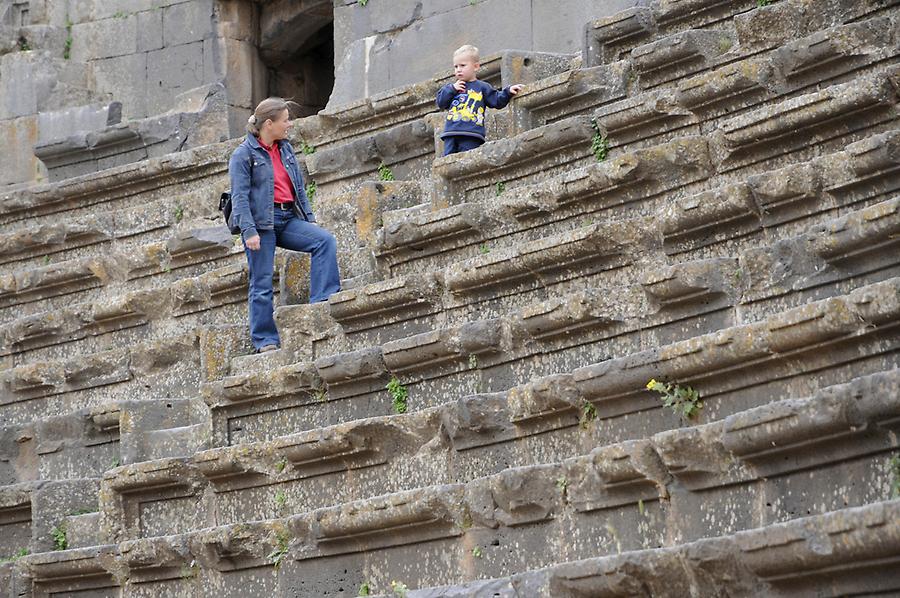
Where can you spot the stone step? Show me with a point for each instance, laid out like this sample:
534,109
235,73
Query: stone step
88,442
29,244
166,368
33,514
203,169
494,355
132,317
777,560
656,183
384,455
653,93
575,509
850,250
829,119
755,28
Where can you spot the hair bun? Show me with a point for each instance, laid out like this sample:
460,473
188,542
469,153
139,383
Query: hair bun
252,119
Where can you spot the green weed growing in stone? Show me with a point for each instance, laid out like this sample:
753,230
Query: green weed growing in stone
362,2
473,361
894,465
385,173
279,467
321,395
67,49
280,551
683,400
399,589
280,499
46,259
399,395
178,213
761,3
499,188
364,589
119,15
189,571
588,414
24,46
477,553
311,189
562,484
473,2
15,556
307,148
115,463
484,249
58,533
599,143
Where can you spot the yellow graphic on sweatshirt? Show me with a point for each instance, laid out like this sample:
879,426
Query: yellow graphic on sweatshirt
469,110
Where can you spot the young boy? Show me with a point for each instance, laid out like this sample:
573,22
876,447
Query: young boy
466,99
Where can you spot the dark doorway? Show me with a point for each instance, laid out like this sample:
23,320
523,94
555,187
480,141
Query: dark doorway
297,47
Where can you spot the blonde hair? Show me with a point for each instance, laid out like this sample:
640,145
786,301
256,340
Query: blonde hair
467,49
268,109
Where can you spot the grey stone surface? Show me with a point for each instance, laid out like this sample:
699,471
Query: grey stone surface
471,415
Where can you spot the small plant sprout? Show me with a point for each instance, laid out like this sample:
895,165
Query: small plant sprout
179,213
473,361
641,506
67,49
588,414
562,484
399,589
362,2
894,465
15,556
364,589
599,143
60,542
321,395
280,499
761,3
282,463
311,189
683,400
477,553
280,551
499,188
399,395
484,249
307,148
384,173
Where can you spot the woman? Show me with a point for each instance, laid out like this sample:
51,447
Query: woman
270,207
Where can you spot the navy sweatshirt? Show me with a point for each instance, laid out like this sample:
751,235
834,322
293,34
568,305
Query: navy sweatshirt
466,116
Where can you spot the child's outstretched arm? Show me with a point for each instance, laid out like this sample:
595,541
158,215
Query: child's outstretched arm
499,98
445,96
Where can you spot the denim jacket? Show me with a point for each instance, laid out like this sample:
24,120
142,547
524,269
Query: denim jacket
253,187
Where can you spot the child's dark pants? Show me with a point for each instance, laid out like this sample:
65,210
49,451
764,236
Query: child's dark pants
460,143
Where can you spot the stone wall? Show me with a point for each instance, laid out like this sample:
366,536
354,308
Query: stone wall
89,84
379,44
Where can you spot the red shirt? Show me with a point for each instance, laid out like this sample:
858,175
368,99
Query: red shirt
284,189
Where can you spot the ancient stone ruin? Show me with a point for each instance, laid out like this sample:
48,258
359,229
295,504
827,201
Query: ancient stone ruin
644,342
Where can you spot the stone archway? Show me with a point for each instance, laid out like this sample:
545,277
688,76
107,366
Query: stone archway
296,44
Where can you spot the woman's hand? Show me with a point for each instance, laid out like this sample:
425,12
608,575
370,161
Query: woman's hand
252,243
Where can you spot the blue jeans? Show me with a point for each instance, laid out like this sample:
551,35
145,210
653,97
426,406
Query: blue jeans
460,143
295,234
